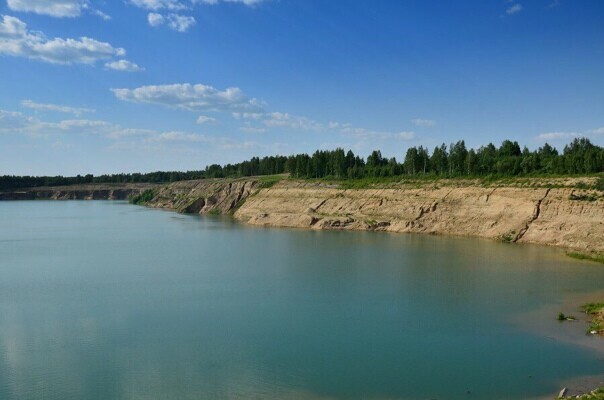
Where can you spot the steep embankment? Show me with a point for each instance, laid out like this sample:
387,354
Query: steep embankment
77,192
564,217
515,214
526,212
212,196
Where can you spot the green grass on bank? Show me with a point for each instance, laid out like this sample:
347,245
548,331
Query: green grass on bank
599,258
143,198
597,394
270,180
596,310
551,181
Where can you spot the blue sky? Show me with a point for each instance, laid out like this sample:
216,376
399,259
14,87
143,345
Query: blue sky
99,86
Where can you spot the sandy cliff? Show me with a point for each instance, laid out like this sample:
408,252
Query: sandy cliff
544,212
79,192
212,196
532,215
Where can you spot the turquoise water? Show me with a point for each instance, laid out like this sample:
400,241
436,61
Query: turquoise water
104,300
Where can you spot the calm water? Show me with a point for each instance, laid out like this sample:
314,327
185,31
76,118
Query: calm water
103,300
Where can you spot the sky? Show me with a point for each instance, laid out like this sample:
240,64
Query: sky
108,86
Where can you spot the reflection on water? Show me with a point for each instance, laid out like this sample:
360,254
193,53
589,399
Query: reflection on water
104,300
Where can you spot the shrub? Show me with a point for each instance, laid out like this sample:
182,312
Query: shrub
142,198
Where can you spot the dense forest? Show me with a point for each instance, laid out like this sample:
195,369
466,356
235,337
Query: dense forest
578,157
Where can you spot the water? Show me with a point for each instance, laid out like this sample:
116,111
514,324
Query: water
104,300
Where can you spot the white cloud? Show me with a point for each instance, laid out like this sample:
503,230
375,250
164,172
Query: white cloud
425,123
100,14
17,123
598,131
279,120
191,97
155,19
246,115
338,125
557,135
11,121
177,22
363,133
56,8
56,108
407,135
285,120
246,2
248,128
513,9
206,120
123,65
175,136
17,41
180,23
159,4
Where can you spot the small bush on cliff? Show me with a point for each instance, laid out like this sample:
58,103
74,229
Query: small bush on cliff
583,197
142,198
599,184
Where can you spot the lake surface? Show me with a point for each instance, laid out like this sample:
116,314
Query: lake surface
104,300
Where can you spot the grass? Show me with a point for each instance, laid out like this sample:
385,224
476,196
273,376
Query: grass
583,197
534,181
267,182
508,237
599,258
592,308
597,311
597,394
143,198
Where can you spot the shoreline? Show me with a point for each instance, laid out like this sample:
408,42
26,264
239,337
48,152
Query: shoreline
505,212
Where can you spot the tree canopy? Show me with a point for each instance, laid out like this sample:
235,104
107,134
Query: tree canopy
578,157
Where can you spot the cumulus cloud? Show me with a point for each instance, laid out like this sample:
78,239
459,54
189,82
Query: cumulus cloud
598,131
363,133
180,23
191,97
513,9
124,66
206,120
280,120
248,128
557,135
17,123
564,135
13,121
176,22
155,19
285,120
56,8
55,108
159,4
100,14
425,123
17,41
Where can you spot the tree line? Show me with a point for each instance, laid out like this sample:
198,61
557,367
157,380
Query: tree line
456,160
